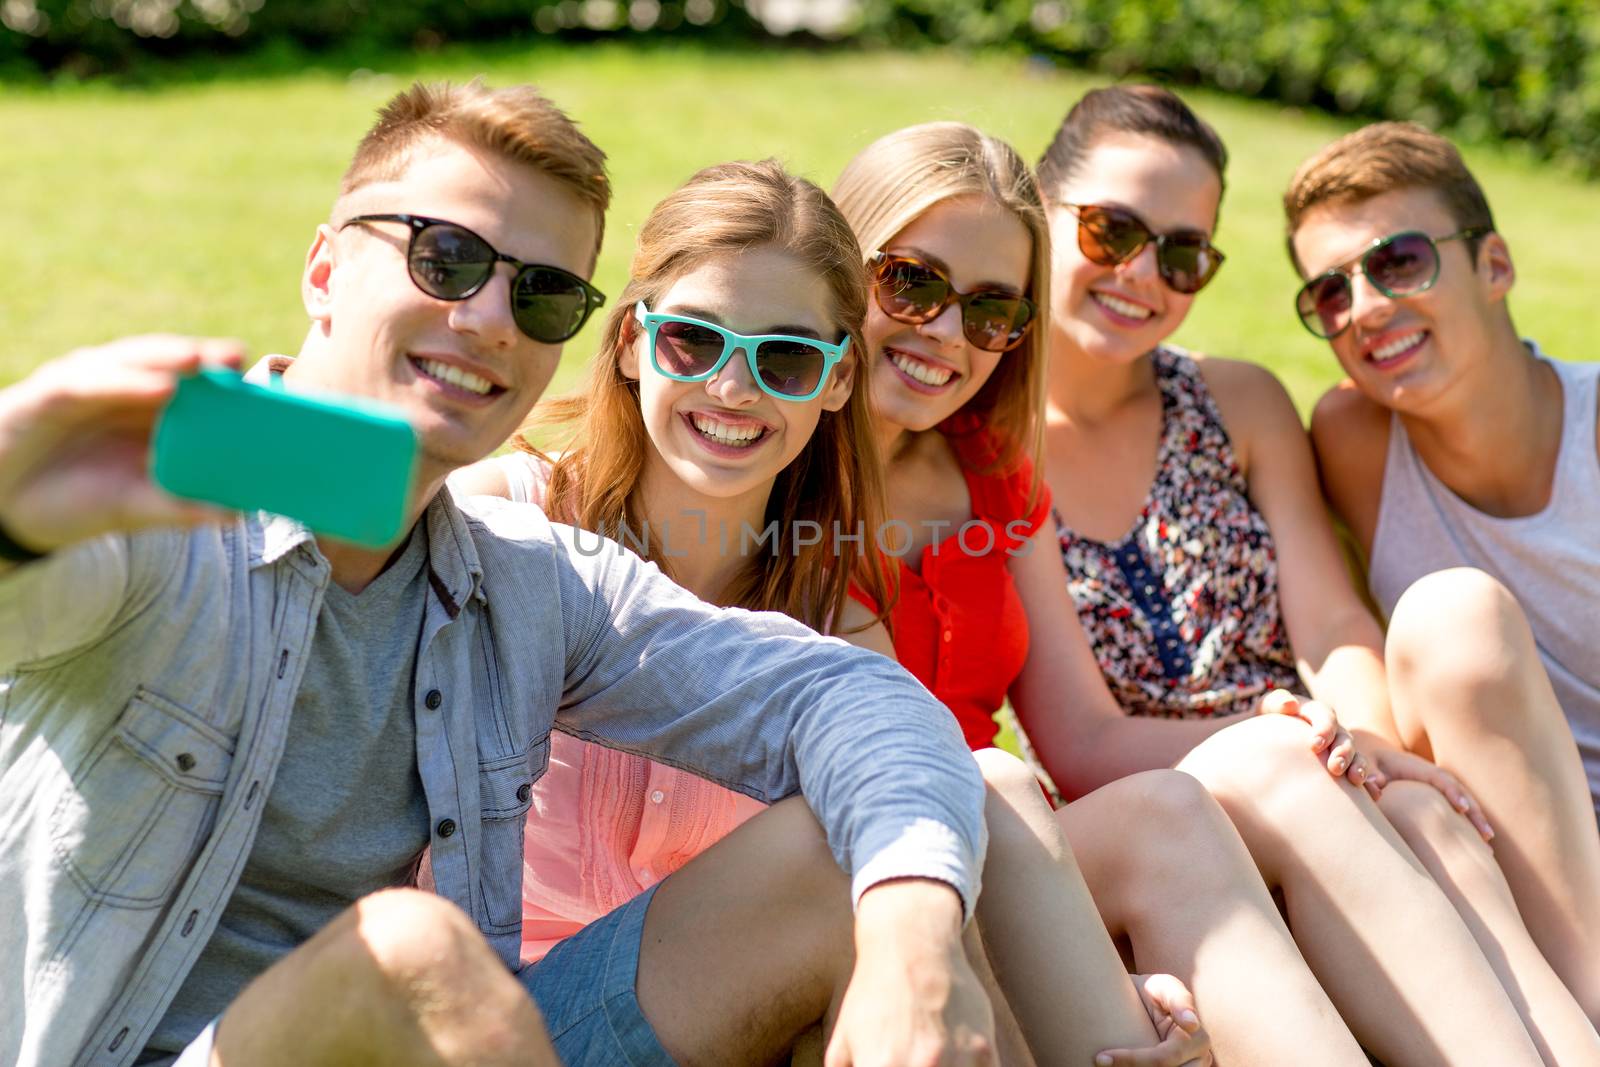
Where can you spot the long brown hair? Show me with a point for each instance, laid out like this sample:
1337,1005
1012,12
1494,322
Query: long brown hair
835,481
901,175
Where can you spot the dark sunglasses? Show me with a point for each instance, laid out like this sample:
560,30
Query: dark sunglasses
693,350
1111,236
1401,264
910,291
451,262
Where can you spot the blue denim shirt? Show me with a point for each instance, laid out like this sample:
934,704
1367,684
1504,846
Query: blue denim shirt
148,680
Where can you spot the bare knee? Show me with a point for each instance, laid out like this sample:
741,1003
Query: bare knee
408,933
1017,815
1006,775
1427,821
411,967
1489,644
431,963
1264,762
1172,806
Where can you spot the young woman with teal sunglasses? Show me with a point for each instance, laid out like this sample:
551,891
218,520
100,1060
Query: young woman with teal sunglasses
720,434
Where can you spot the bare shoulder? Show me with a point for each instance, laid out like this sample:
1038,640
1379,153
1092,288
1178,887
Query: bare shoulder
1350,436
1256,409
487,477
861,628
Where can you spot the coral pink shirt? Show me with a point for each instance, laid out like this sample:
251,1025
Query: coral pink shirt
605,825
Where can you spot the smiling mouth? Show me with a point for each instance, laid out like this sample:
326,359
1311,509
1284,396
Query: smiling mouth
1121,307
744,435
1400,346
449,374
926,373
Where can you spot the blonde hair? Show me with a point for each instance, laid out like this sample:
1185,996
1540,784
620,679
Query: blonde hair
835,481
901,175
517,123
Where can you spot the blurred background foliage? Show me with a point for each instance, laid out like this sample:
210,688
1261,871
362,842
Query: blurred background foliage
1526,70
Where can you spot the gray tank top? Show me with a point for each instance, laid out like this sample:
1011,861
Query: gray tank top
1550,560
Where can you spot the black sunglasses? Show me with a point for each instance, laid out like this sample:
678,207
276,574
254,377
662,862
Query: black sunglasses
450,262
1401,264
910,291
1110,236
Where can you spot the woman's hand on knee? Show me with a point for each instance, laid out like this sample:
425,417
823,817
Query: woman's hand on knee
1328,738
1396,765
1184,1042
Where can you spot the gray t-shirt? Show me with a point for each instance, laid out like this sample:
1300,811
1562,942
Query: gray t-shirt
346,815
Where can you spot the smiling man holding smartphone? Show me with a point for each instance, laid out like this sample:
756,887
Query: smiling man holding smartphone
227,743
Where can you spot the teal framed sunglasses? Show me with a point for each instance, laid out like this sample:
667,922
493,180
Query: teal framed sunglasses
691,350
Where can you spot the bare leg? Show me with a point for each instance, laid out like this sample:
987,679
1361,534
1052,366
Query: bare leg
1009,1042
403,977
1051,954
1480,705
1010,1045
1464,867
1169,873
766,915
1381,937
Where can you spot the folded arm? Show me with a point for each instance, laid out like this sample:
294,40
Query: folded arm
759,703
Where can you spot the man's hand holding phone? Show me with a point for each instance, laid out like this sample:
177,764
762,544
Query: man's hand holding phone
75,440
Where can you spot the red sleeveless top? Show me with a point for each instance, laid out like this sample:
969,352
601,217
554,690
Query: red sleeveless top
959,626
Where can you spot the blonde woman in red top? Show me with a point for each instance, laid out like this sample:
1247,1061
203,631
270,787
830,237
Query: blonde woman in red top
952,226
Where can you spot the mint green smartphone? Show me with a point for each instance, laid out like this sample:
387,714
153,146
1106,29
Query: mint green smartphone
343,466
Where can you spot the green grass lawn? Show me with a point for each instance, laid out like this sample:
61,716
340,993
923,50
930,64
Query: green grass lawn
188,206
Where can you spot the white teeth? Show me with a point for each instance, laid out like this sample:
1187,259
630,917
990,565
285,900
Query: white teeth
921,371
722,433
1397,346
1123,307
446,372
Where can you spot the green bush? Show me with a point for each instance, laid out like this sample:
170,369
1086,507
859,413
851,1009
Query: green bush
91,37
1522,69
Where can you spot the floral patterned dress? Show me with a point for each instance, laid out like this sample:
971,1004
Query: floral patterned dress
1182,612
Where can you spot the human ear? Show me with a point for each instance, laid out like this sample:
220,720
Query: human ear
316,280
837,392
630,338
1495,266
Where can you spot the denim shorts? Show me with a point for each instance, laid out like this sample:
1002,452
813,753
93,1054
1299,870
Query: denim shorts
585,990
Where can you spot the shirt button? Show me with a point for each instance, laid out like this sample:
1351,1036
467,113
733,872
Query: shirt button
524,792
947,635
657,797
446,827
433,699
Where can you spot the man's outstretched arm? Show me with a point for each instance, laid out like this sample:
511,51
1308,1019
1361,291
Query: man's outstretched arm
74,445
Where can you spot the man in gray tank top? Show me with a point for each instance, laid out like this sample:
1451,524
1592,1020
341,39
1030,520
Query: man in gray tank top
1466,466
1452,442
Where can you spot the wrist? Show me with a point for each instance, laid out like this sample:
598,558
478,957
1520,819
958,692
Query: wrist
920,912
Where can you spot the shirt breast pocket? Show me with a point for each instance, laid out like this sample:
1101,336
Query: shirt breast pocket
505,792
138,808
